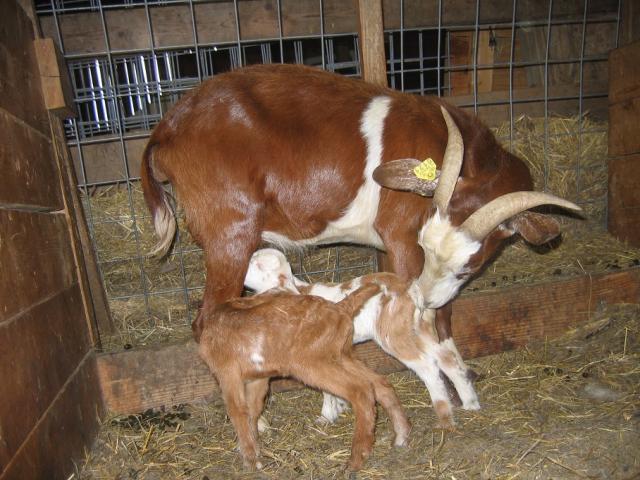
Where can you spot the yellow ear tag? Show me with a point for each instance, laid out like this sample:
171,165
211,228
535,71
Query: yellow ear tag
426,170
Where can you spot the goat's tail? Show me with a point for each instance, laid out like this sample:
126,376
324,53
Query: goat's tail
353,302
164,220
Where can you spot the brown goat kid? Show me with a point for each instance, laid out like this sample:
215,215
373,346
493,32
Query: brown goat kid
246,341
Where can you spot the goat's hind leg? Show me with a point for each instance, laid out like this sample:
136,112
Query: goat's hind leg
235,399
340,381
332,407
386,396
256,393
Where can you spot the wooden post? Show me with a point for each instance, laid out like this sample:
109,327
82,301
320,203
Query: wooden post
372,57
624,143
373,64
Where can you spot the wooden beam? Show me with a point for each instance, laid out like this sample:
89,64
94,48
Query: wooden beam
483,324
97,311
372,56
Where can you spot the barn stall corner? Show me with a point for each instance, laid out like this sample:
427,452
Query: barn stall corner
552,330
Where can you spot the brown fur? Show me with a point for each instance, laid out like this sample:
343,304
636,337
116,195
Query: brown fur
301,336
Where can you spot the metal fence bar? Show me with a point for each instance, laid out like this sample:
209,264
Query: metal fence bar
126,170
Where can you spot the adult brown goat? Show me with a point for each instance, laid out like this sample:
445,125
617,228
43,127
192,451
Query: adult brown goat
286,154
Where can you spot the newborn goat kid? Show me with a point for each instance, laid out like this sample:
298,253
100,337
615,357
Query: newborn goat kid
248,340
390,318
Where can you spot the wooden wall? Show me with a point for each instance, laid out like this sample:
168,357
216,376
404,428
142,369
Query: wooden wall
215,21
49,393
624,143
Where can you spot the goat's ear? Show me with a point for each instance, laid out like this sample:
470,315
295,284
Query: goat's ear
535,228
399,175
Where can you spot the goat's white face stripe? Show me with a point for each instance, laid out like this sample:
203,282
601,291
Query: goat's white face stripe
356,225
447,250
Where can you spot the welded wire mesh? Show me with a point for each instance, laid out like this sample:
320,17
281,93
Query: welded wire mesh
130,60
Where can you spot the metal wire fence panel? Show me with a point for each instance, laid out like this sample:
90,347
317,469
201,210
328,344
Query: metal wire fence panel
534,70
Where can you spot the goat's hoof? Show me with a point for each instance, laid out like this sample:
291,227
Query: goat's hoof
263,424
446,424
401,441
472,376
471,405
252,464
322,420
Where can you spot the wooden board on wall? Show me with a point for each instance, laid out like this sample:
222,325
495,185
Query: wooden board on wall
624,198
27,170
46,338
48,395
61,436
483,324
37,263
19,70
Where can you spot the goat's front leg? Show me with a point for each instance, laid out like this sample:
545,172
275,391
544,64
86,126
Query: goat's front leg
332,407
451,363
428,371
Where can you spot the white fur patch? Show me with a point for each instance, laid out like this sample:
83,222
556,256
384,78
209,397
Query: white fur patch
257,359
238,114
364,324
447,251
356,225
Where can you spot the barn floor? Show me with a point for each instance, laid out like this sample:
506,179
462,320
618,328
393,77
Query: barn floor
567,408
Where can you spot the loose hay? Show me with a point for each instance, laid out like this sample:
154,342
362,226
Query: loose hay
575,164
540,420
154,302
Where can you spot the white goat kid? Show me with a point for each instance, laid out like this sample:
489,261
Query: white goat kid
392,318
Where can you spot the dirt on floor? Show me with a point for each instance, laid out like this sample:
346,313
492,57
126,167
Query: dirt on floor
564,408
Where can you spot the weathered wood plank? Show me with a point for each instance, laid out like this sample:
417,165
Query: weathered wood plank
19,69
494,322
26,166
52,333
624,128
624,198
624,72
36,259
65,431
482,324
94,296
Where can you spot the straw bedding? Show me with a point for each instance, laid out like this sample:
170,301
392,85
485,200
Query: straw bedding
566,408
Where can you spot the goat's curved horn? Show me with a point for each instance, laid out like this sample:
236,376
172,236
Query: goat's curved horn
451,164
486,218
